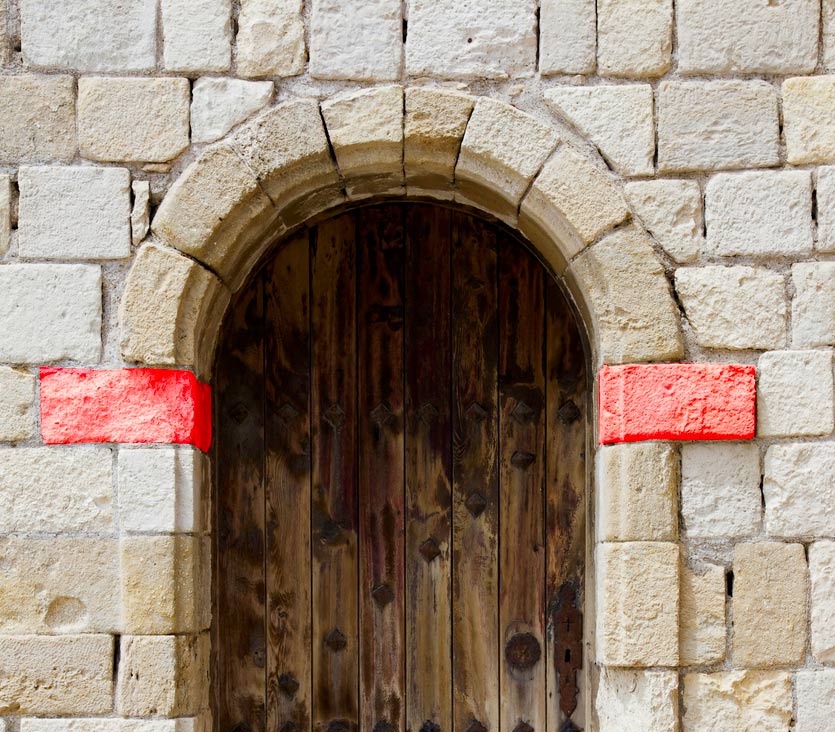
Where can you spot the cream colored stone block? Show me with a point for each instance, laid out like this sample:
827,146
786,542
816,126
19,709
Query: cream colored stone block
113,724
502,151
270,38
702,631
17,395
197,35
219,104
59,585
808,123
638,604
631,308
815,700
822,580
69,674
133,119
5,213
140,215
737,701
825,199
637,700
813,305
734,307
567,36
771,584
637,492
634,37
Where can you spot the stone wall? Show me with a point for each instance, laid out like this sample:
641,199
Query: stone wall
671,162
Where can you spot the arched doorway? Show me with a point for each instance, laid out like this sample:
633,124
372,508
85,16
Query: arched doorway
399,477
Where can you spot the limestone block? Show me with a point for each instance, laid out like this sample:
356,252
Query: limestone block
50,312
165,584
825,190
629,297
809,126
17,395
638,604
759,213
502,150
112,724
828,34
567,36
815,700
68,674
432,131
737,701
770,589
56,489
637,492
813,305
617,119
671,210
219,104
140,215
702,631
720,490
270,39
61,35
792,509
747,36
80,212
160,489
634,37
716,124
471,40
197,35
360,40
5,213
734,307
822,579
59,585
637,700
795,394
133,119
163,675
37,118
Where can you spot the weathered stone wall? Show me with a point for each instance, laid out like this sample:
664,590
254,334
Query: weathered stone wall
671,161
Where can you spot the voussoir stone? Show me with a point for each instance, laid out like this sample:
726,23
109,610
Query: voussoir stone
637,700
218,104
822,580
567,36
809,125
702,631
197,35
270,38
634,37
17,396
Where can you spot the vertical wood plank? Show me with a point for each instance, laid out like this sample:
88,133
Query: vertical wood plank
521,480
428,470
240,640
287,380
334,439
381,468
475,567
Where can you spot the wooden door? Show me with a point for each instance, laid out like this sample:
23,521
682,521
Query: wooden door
399,479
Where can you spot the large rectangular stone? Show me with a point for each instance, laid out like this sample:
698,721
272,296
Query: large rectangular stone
270,38
17,395
813,304
815,700
637,700
634,37
567,36
113,724
808,123
702,631
197,35
822,580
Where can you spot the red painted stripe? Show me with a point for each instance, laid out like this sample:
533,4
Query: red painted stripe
677,401
126,405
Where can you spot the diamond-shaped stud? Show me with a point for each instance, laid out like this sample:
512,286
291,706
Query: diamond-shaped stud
430,550
430,726
523,727
384,726
568,413
381,414
335,416
339,725
522,460
336,640
288,684
382,595
475,726
476,503
476,412
238,412
289,727
523,413
287,413
428,413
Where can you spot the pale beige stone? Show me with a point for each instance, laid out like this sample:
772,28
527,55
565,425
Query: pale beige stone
828,34
637,492
634,37
637,700
5,213
567,36
114,724
808,123
59,585
218,104
825,199
17,396
822,580
70,674
638,604
628,297
769,604
815,700
737,701
270,39
197,35
813,305
133,119
140,215
702,633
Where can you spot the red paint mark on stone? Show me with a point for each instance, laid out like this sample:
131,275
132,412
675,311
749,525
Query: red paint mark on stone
126,405
677,401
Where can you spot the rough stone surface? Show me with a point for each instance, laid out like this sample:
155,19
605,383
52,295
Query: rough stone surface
5,213
747,36
37,118
671,210
634,37
197,35
617,119
61,35
270,38
17,395
567,36
59,585
825,192
716,124
822,579
70,674
638,604
815,700
141,120
470,40
809,126
140,215
50,312
74,213
702,632
792,507
113,724
756,214
734,307
637,492
813,305
218,104
769,604
737,701
720,490
359,40
828,34
795,394
637,700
